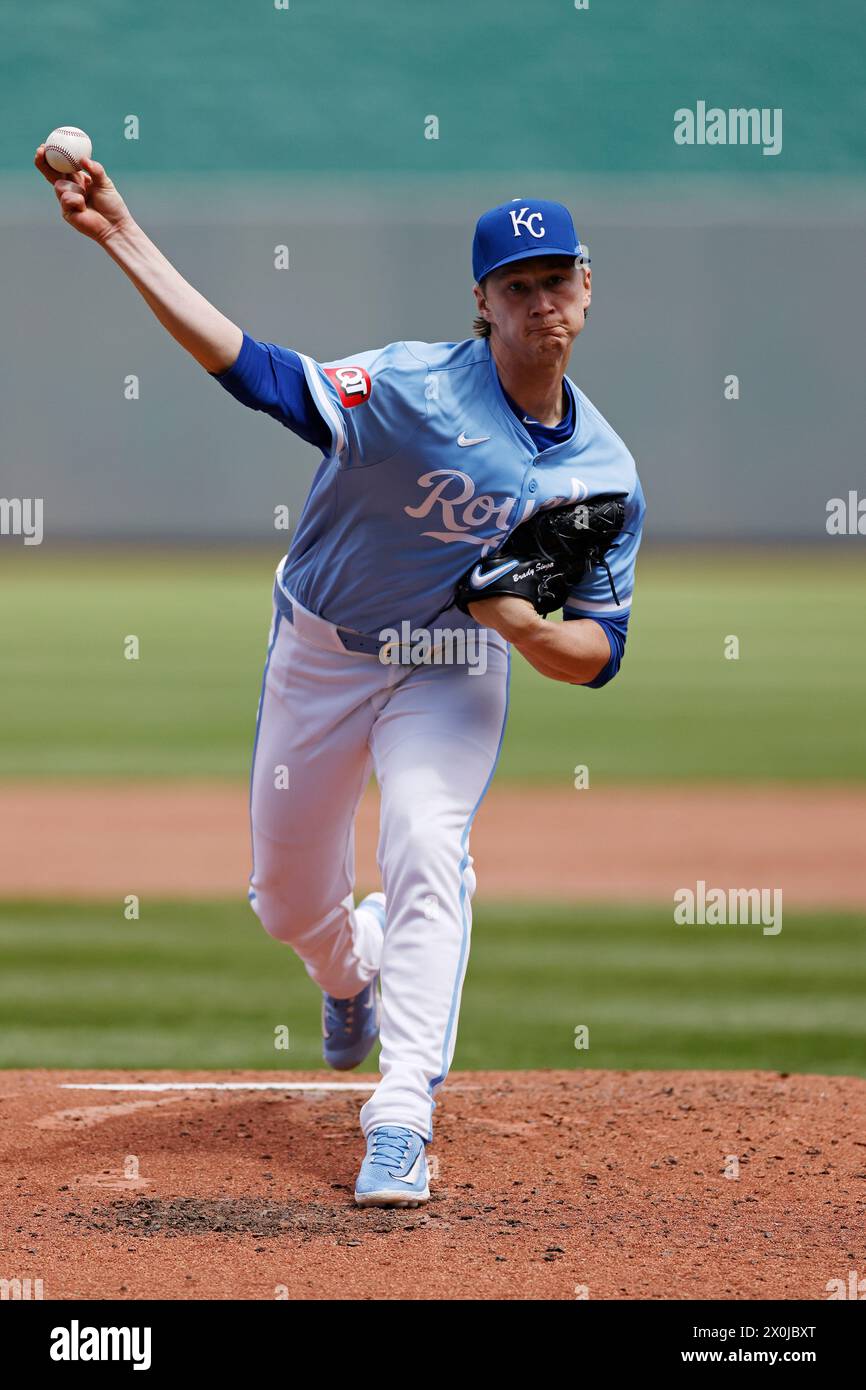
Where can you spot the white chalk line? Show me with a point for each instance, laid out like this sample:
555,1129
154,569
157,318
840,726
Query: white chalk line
218,1086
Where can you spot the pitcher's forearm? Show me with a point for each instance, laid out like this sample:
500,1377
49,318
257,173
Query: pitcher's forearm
575,651
212,339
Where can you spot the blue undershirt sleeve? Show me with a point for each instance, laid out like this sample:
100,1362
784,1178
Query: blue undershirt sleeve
616,629
271,378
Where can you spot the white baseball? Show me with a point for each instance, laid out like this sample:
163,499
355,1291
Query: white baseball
64,148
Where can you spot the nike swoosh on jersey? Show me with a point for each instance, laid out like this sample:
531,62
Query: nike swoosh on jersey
480,581
464,443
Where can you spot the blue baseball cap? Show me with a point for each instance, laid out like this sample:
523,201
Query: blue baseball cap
522,228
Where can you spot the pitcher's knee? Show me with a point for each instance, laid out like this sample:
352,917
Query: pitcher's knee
427,856
271,913
425,832
286,918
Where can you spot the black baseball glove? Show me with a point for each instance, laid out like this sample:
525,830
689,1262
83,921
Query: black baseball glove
547,555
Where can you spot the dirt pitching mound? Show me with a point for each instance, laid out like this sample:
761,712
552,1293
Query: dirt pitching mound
546,1185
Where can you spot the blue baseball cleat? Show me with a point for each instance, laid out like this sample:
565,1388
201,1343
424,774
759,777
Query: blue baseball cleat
350,1027
394,1171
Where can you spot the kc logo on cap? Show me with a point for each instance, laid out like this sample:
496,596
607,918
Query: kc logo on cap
522,228
519,219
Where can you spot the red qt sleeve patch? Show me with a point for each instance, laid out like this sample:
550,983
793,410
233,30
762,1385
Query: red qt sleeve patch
352,383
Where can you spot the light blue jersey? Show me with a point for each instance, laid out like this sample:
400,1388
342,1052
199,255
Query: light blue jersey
428,470
427,467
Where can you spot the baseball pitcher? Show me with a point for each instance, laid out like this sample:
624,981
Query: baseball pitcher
465,492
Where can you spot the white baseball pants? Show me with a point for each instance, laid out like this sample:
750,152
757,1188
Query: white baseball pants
432,734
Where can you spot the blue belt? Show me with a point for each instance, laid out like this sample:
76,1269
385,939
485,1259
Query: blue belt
352,641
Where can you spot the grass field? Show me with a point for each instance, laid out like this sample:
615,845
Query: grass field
203,986
789,708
